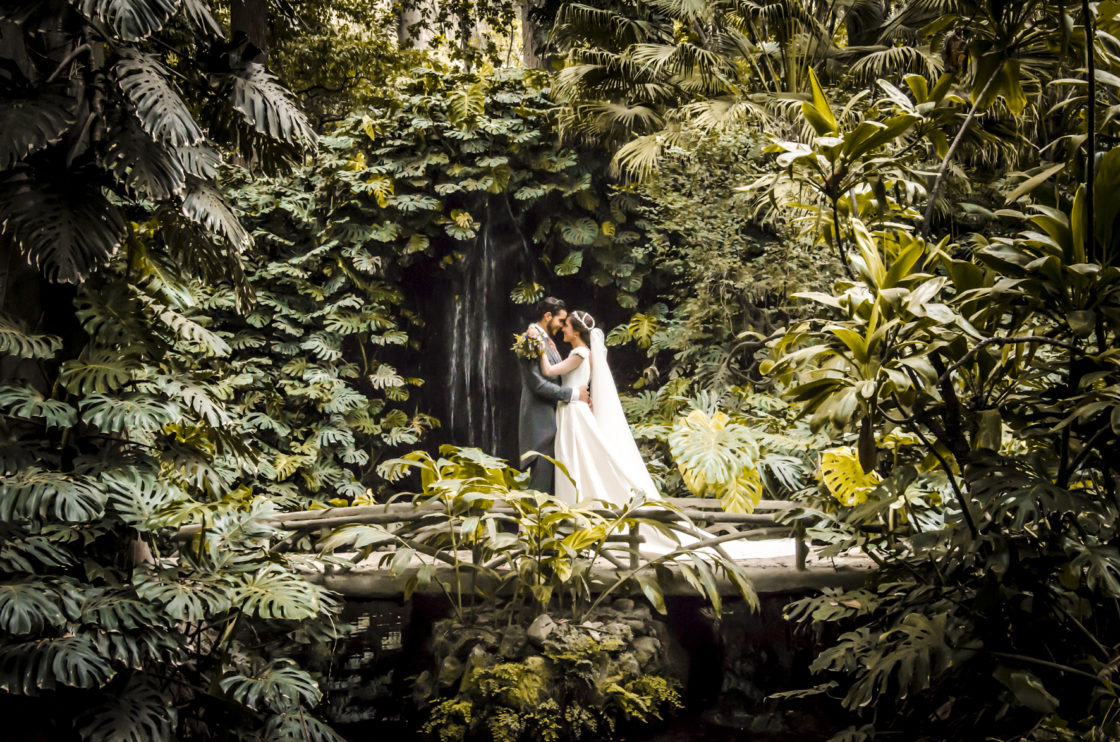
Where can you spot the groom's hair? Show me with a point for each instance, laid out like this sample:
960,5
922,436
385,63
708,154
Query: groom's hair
550,305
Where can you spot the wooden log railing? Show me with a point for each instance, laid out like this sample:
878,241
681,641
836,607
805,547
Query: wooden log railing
701,511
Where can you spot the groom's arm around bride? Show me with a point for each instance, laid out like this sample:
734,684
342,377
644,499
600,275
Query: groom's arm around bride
539,397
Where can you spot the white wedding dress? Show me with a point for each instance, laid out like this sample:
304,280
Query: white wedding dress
604,463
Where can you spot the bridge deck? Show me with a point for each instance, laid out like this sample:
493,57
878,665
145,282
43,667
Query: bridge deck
769,574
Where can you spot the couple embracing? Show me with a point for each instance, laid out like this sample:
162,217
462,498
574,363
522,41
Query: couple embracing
559,419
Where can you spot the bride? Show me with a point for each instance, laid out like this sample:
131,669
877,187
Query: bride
595,444
597,448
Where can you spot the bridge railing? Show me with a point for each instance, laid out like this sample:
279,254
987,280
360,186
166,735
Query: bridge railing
707,513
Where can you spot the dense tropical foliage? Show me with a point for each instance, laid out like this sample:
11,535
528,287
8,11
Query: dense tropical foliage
859,255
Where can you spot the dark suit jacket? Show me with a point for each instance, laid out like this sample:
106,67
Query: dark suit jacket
536,429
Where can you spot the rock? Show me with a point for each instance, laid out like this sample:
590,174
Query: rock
540,629
629,666
623,604
646,650
450,671
513,642
636,625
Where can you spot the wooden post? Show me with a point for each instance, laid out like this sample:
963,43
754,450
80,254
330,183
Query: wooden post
802,548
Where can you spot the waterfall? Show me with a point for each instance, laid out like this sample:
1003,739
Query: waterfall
483,380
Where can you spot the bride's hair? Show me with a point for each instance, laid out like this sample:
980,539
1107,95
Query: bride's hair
583,323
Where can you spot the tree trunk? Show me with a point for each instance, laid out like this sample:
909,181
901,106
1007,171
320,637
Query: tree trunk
529,56
248,21
412,30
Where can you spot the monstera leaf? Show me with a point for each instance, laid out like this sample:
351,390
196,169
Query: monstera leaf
204,204
300,726
139,712
138,495
101,371
199,160
34,492
280,685
28,125
712,452
466,104
845,478
23,402
15,342
131,20
582,231
199,14
184,598
66,231
264,104
28,607
157,103
45,664
144,165
272,592
129,412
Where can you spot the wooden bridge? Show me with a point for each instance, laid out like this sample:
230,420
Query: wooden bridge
364,576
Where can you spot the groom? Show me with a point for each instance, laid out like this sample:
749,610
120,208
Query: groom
539,397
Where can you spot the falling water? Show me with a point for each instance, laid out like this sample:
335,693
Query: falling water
482,377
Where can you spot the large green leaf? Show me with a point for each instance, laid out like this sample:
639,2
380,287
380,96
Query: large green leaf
102,371
280,686
185,598
19,344
66,231
301,726
29,124
27,667
30,606
26,403
138,495
140,712
272,592
131,20
266,106
205,204
33,493
581,231
146,166
130,412
157,103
